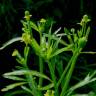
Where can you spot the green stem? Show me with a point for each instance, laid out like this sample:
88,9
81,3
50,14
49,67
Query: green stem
30,79
84,29
41,71
53,77
64,72
69,74
29,27
40,62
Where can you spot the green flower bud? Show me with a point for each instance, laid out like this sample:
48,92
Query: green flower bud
27,15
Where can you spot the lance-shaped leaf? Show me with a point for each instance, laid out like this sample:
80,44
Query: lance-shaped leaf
34,26
26,89
10,42
25,72
47,87
14,78
58,51
88,79
12,86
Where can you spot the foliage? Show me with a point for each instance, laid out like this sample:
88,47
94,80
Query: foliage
49,50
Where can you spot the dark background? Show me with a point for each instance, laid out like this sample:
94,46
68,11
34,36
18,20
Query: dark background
66,13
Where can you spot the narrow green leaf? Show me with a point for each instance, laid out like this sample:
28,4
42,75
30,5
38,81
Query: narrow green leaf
34,26
25,72
87,32
68,35
26,89
56,38
10,42
12,86
57,30
47,87
26,50
14,78
61,50
13,93
55,46
88,79
49,35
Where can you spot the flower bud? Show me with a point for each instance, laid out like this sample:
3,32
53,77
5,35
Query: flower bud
27,15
